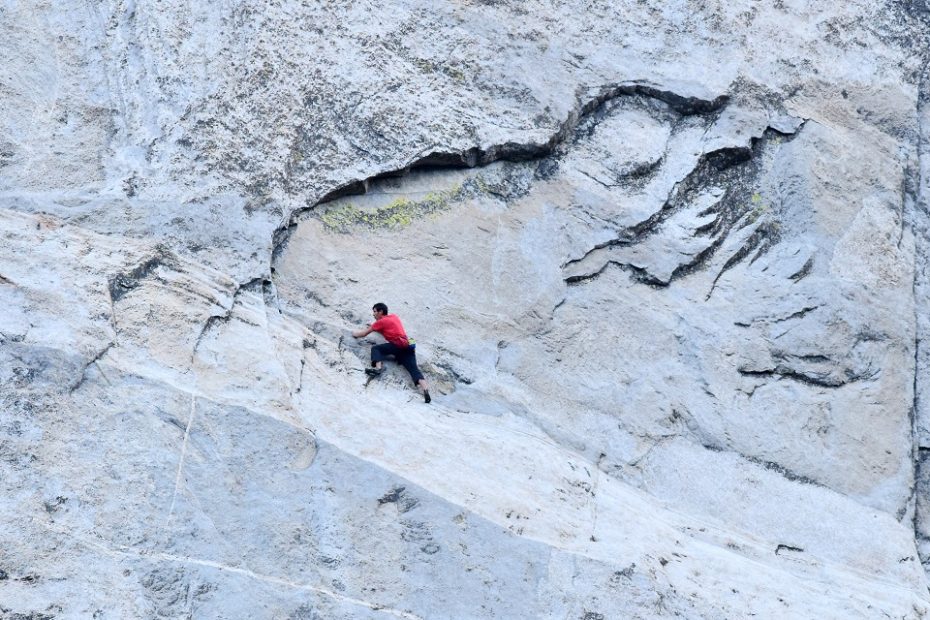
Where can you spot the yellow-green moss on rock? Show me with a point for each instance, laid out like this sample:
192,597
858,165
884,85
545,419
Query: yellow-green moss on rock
399,213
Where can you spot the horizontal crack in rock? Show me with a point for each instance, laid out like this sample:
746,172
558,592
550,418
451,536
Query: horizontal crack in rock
639,274
781,548
122,283
769,465
799,314
509,151
814,379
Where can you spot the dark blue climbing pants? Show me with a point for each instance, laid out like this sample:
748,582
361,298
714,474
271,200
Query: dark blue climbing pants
405,356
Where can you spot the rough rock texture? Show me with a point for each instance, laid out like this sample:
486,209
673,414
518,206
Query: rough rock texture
667,267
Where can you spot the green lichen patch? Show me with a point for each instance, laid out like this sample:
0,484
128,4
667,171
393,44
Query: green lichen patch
397,214
757,209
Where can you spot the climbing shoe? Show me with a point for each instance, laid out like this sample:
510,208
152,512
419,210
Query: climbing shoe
426,397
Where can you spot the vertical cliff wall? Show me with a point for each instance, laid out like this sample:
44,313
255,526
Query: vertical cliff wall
666,268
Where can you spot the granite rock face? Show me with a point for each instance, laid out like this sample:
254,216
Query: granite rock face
667,269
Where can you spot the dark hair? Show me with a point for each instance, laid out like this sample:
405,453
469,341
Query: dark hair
380,307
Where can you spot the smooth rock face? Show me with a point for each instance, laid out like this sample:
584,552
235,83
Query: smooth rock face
666,267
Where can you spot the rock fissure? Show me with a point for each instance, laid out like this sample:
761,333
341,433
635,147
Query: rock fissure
123,283
769,465
919,216
638,461
804,271
97,357
726,168
508,151
638,273
782,548
256,285
637,173
796,315
823,380
453,374
300,378
757,240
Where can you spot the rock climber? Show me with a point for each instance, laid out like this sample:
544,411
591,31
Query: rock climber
398,346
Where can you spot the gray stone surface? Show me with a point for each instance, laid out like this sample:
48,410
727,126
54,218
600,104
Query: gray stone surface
666,267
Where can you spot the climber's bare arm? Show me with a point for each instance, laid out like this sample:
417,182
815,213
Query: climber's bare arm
361,333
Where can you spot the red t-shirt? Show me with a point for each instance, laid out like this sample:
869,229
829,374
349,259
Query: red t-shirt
390,327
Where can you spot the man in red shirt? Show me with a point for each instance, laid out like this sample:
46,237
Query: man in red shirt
397,346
